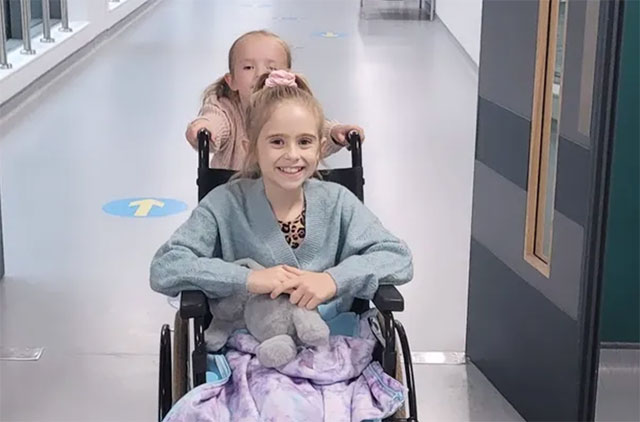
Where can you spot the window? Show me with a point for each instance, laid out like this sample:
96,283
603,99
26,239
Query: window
545,127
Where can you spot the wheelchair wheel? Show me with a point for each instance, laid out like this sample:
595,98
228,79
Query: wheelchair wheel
180,375
402,412
164,372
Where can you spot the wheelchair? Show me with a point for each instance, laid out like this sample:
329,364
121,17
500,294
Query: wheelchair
183,367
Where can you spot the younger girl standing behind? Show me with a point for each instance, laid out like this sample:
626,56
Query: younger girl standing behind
225,101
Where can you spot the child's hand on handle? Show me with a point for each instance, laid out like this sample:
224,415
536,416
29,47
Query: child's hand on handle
339,133
307,289
195,127
269,279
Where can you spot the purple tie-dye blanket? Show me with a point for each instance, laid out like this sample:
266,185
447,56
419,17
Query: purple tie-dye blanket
336,383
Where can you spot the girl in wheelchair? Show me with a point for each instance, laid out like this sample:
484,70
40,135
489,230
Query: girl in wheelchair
317,243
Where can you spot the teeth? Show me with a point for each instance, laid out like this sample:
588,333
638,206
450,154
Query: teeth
290,170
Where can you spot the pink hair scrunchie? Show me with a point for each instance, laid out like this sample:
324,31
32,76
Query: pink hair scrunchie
280,78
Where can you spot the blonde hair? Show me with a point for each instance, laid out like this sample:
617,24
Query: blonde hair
220,88
263,101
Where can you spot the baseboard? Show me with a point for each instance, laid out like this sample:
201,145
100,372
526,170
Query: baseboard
619,345
438,358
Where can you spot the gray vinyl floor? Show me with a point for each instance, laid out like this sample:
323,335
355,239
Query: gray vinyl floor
618,396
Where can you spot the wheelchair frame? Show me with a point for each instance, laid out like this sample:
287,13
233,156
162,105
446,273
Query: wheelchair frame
194,305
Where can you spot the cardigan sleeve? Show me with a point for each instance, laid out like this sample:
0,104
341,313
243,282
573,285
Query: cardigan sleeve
217,121
329,145
369,254
191,260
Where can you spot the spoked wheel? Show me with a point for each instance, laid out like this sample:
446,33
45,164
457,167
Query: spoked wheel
180,357
402,412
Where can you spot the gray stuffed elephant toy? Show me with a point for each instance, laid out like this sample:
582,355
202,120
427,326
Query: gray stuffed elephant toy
277,324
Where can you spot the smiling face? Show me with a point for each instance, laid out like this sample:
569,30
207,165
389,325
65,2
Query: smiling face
288,146
251,57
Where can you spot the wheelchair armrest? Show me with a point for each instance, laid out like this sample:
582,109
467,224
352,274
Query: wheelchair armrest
193,303
388,299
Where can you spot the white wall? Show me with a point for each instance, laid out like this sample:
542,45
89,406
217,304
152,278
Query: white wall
463,18
88,19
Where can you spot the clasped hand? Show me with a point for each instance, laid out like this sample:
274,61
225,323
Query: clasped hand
306,289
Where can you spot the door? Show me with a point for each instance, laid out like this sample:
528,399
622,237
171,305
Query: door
547,74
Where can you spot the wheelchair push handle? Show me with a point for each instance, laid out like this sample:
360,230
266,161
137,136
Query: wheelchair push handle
204,138
355,146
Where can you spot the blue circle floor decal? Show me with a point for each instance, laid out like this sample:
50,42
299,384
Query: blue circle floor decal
144,207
